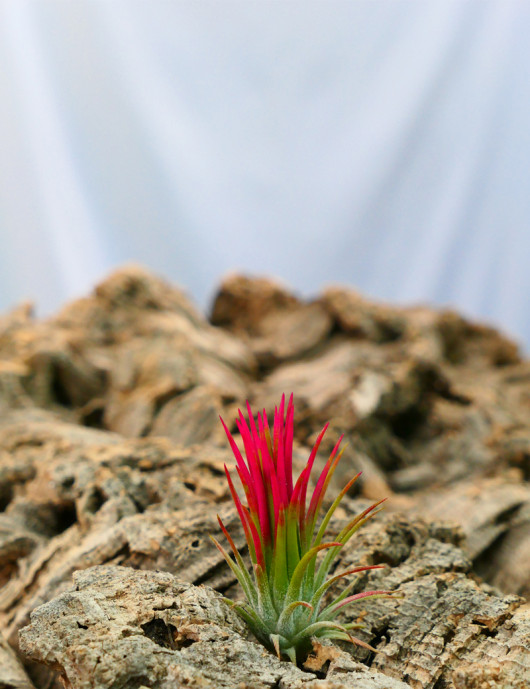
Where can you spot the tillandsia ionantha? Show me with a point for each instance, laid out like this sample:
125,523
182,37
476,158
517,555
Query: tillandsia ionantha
284,596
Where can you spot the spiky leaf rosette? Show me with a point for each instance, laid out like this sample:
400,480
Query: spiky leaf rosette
285,592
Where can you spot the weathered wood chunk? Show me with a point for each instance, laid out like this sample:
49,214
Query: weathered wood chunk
112,456
119,627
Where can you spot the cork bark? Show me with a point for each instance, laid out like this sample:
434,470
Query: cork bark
111,477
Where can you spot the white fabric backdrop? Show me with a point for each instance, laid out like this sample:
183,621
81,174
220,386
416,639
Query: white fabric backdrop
381,144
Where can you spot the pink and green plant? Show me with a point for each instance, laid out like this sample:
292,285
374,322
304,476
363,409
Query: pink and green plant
284,596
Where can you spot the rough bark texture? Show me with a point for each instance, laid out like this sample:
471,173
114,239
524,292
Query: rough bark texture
125,628
111,472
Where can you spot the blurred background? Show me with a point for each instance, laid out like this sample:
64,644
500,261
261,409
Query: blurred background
381,144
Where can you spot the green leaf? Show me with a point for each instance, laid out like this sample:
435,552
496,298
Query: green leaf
293,543
317,629
280,580
290,609
291,653
315,600
250,617
345,636
344,536
334,608
266,604
332,509
240,573
293,593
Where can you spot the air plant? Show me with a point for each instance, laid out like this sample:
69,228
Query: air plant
284,595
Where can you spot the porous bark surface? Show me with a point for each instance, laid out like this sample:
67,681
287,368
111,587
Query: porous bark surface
129,628
111,477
